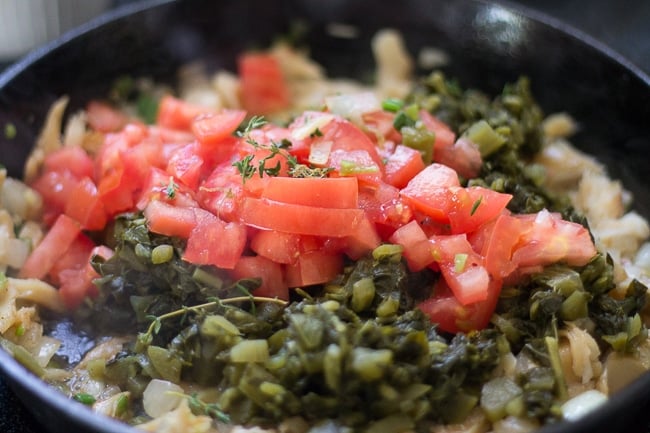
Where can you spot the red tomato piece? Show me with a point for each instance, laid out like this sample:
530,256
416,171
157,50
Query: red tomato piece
547,238
186,165
271,274
263,86
85,206
169,220
429,191
356,163
444,136
340,193
215,242
402,166
471,207
222,192
72,159
276,246
74,258
451,316
163,187
211,129
313,267
495,241
175,113
380,127
56,242
364,239
417,249
463,156
104,118
77,283
116,192
461,267
384,206
305,220
56,188
347,137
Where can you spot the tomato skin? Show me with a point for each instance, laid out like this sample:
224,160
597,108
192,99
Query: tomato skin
402,166
338,193
444,136
263,86
496,241
271,273
222,192
313,267
306,220
56,242
215,242
85,206
211,129
364,239
75,257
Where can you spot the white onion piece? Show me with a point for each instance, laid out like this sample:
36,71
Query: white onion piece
353,106
310,126
582,404
160,397
319,153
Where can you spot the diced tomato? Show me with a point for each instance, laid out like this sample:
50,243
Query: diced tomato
417,249
293,218
364,239
339,193
263,86
384,206
210,129
56,242
77,283
463,156
162,186
429,192
276,246
56,188
186,165
72,159
547,238
85,206
104,118
75,257
175,113
271,274
380,126
313,267
116,192
169,220
462,268
215,242
451,316
471,207
347,137
496,241
445,137
402,166
356,163
222,192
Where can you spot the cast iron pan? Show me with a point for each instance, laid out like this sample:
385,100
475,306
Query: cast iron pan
488,45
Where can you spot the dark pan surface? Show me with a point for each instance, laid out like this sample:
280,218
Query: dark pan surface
488,45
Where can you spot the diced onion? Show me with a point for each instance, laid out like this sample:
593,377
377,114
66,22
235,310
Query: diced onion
319,153
311,125
353,106
160,397
582,404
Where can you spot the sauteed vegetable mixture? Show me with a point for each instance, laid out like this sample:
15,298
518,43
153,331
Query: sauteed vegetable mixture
274,249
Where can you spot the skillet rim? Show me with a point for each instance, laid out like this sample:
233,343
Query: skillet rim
27,385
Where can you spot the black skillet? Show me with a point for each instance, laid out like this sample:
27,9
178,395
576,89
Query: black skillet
488,45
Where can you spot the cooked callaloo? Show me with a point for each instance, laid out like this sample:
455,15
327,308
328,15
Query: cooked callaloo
285,251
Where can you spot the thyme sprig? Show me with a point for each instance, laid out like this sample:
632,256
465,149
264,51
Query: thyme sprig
156,321
200,407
